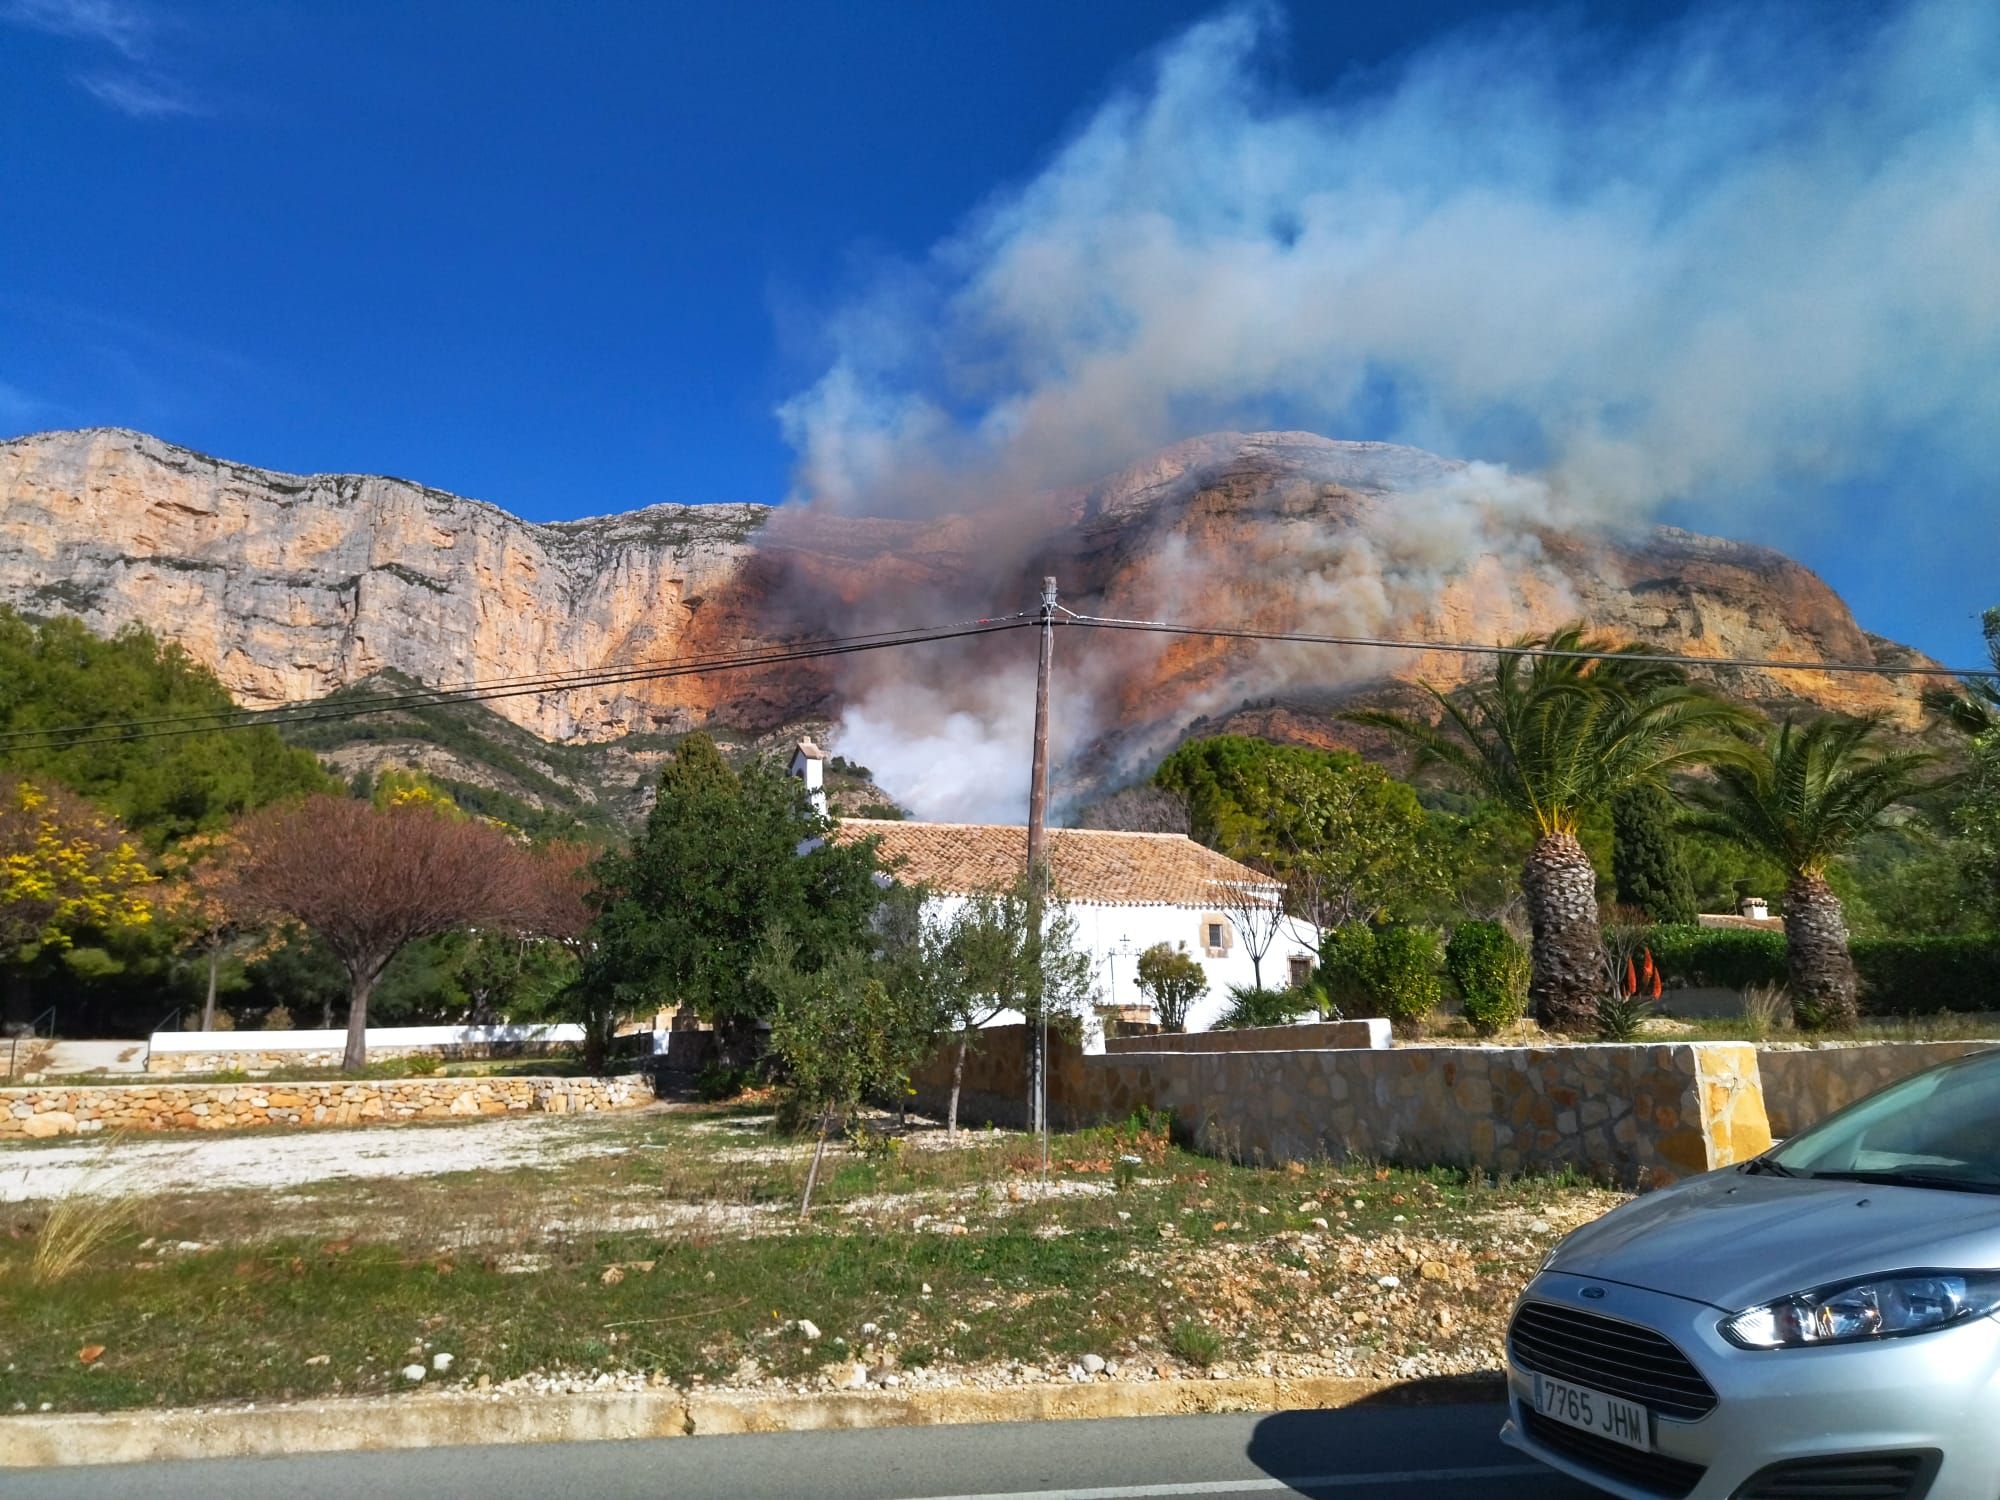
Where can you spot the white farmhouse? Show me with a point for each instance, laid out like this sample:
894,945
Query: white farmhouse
1125,892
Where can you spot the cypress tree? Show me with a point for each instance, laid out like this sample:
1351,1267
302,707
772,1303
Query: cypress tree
1647,864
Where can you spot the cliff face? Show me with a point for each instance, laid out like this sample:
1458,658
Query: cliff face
290,586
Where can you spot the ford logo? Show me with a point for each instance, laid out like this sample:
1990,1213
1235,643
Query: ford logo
1594,1293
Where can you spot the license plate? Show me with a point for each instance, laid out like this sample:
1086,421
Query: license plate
1609,1417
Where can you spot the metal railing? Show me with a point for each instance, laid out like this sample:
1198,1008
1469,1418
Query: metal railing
34,1030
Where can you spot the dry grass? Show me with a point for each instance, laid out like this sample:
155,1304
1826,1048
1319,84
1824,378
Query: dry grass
96,1211
1767,1010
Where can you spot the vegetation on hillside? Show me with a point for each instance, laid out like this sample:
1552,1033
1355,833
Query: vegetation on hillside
148,878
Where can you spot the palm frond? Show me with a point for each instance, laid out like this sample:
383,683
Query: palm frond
1552,737
1810,791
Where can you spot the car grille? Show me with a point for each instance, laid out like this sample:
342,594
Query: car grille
1853,1476
1621,1359
1669,1478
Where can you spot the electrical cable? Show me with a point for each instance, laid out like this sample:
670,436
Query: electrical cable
1464,648
102,734
424,697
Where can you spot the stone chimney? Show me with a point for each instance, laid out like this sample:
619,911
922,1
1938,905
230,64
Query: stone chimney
809,765
1754,907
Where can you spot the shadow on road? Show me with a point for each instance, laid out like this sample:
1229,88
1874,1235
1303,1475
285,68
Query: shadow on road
1423,1438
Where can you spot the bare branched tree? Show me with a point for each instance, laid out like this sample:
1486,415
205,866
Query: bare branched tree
1256,909
371,881
1138,809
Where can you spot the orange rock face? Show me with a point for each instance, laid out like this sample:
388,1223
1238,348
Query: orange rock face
290,586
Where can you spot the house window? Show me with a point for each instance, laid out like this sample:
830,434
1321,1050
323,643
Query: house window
1216,935
1302,971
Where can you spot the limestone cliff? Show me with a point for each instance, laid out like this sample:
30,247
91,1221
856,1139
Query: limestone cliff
293,586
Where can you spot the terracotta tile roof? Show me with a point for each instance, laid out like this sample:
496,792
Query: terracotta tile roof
1089,866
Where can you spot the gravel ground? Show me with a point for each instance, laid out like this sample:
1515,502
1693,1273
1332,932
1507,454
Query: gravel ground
292,1158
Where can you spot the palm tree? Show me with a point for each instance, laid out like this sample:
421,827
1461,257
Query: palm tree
1552,737
1974,709
1802,797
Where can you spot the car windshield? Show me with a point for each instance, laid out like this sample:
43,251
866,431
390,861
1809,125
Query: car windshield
1938,1129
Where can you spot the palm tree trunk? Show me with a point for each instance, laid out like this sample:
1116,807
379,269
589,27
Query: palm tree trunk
1819,967
1560,884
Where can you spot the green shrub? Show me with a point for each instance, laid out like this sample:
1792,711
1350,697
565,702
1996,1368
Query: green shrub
1732,958
1619,1015
423,1065
1406,973
1347,969
1171,979
1193,1342
1386,971
1899,975
720,1081
1490,972
1905,976
1250,1006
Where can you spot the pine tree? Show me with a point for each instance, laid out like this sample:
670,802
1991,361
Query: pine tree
1647,864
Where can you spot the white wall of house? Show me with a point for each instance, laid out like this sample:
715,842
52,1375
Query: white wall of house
1115,936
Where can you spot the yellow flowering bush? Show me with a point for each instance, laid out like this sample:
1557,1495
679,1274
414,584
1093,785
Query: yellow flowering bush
64,866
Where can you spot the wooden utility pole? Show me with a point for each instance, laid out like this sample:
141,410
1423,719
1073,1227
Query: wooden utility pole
1038,868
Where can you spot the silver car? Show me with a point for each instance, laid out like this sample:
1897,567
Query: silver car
1817,1322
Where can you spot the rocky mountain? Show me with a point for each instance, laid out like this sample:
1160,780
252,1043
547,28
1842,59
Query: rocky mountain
294,587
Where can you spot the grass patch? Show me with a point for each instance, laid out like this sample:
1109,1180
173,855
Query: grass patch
663,1247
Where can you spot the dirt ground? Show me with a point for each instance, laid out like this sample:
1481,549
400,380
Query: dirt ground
290,1158
666,1246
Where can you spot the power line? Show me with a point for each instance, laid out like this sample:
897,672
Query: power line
1467,648
102,734
312,711
547,682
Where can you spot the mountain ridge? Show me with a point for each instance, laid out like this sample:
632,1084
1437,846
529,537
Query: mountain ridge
292,587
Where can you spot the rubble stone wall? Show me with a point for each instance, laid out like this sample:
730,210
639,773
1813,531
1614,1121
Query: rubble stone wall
1806,1083
39,1113
1632,1113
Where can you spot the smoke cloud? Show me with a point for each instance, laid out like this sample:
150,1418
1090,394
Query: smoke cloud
1754,257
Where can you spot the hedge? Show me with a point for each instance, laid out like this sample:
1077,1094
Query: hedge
1912,976
1899,976
1731,958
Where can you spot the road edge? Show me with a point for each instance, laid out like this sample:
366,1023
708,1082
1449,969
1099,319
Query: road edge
455,1419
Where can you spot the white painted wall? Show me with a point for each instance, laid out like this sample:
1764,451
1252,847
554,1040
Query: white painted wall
378,1036
1115,936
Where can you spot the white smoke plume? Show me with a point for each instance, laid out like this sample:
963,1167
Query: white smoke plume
1752,257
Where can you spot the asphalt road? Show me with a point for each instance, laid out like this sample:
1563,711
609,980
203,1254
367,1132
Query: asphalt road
1362,1453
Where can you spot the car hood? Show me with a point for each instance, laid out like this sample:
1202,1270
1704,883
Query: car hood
1734,1240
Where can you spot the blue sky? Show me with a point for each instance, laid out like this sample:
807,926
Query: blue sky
576,259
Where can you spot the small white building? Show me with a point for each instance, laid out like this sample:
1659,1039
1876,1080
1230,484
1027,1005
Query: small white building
1124,891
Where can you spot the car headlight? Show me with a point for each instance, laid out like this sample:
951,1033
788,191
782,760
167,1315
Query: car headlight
1878,1307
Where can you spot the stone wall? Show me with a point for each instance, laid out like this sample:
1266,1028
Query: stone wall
1632,1114
995,1082
1635,1114
1806,1083
35,1113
